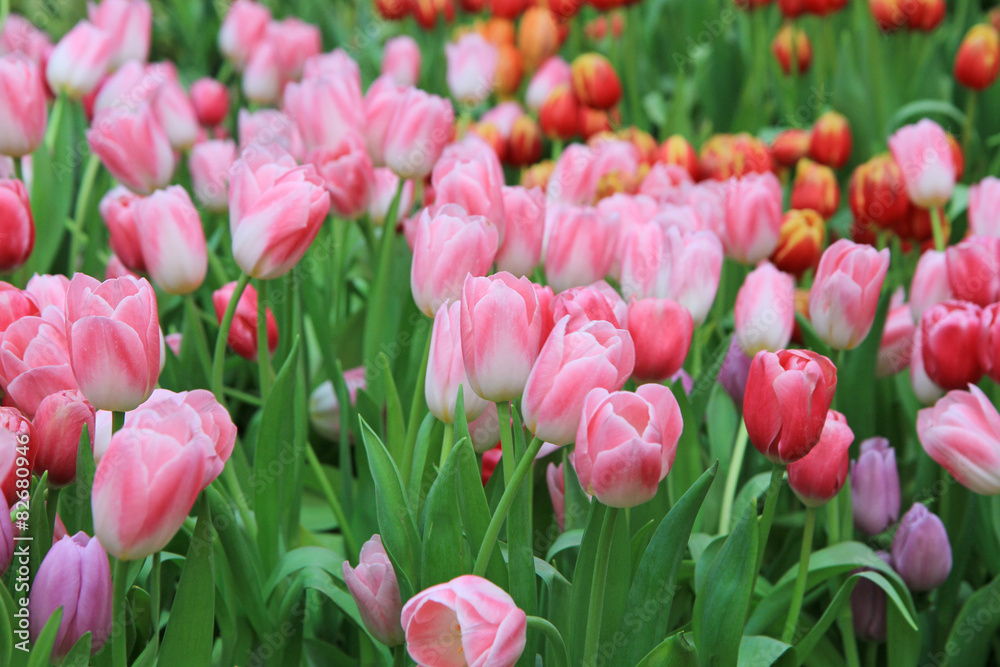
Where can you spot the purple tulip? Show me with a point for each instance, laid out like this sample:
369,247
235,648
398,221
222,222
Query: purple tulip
734,372
875,487
376,591
868,606
921,552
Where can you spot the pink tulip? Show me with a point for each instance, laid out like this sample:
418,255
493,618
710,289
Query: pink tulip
485,430
448,246
294,42
401,60
336,63
930,283
243,331
553,73
262,81
598,301
989,341
242,31
174,110
113,334
472,67
616,164
17,226
80,59
131,85
667,183
923,387
130,21
325,109
950,336
172,240
765,310
118,208
35,359
466,621
628,212
626,443
59,422
984,202
557,492
74,575
417,134
569,365
501,329
209,164
925,158
134,147
18,35
211,101
974,269
275,211
347,173
383,192
580,245
14,304
268,134
18,444
661,330
324,408
962,433
897,338
174,342
382,100
845,293
818,476
572,180
671,264
48,291
524,212
473,181
23,112
446,369
375,590
753,217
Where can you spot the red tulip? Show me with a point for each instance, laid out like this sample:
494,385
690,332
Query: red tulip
17,226
18,448
818,476
831,140
59,422
211,101
35,359
815,188
973,267
950,335
243,332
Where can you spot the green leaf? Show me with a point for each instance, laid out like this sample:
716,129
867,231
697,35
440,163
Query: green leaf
52,191
7,609
425,451
975,627
188,638
810,337
444,552
42,649
79,655
395,432
647,609
674,651
856,379
687,468
74,501
571,539
395,520
475,511
520,555
299,559
38,525
923,108
760,651
721,602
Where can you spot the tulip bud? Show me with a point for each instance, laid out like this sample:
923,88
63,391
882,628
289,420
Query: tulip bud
24,115
17,226
559,116
921,553
787,398
926,161
678,151
134,147
868,607
661,330
753,217
522,245
977,62
243,332
18,448
472,68
831,141
579,246
790,146
384,191
524,147
537,36
973,267
815,188
595,83
401,60
961,432
446,369
375,590
172,240
325,109
209,164
818,477
59,422
80,59
949,332
789,39
211,101
877,192
984,202
392,10
923,387
875,487
926,15
324,406
800,241
348,175
765,310
845,293
553,73
470,175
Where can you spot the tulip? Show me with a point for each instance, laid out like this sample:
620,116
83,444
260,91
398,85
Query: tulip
926,391
294,42
17,226
726,156
267,135
557,493
275,211
473,181
537,175
553,73
790,146
598,301
35,360
134,147
118,208
579,246
572,179
6,537
74,575
59,422
926,161
472,67
211,101
977,62
113,335
401,60
868,606
243,332
383,192
383,99
831,140
845,293
524,214
18,35
568,366
262,81
984,202
18,448
815,188
787,398
753,217
875,487
23,112
559,116
897,338
678,151
14,304
324,407
172,240
466,621
765,310
325,109
446,369
961,432
418,133
877,192
989,341
788,40
375,590
921,553
524,146
595,82
973,267
348,175
174,110
130,21
48,291
818,477
485,431
930,284
733,373
950,335
800,241
209,164
448,246
392,10
80,59
661,330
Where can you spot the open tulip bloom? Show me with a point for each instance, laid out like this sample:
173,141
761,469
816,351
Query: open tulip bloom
484,339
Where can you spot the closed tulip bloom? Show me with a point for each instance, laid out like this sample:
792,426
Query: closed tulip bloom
961,432
268,134
868,606
386,184
401,60
921,553
926,391
501,325
172,240
134,147
897,338
787,397
485,431
875,487
792,42
35,359
324,407
59,421
118,208
569,365
419,131
24,115
626,443
375,590
209,164
524,214
845,293
76,576
579,246
572,179
815,188
242,30
818,476
831,141
598,301
595,82
113,334
989,341
173,108
733,373
262,81
275,211
474,182
984,204
446,369
472,68
130,21
347,173
466,621
553,73
243,332
765,310
661,331
974,269
557,493
801,240
80,60
382,100
949,336
930,284
20,35
18,445
524,146
977,62
926,160
325,109
448,246
877,192
17,226
211,101
294,42
753,217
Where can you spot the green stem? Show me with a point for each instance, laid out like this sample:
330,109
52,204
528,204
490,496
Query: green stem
798,594
939,241
833,521
51,506
506,440
555,638
733,478
447,442
119,628
592,638
117,421
399,655
154,598
4,11
416,405
773,490
506,500
263,351
557,148
220,342
57,114
631,64
236,493
80,210
201,340
333,502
